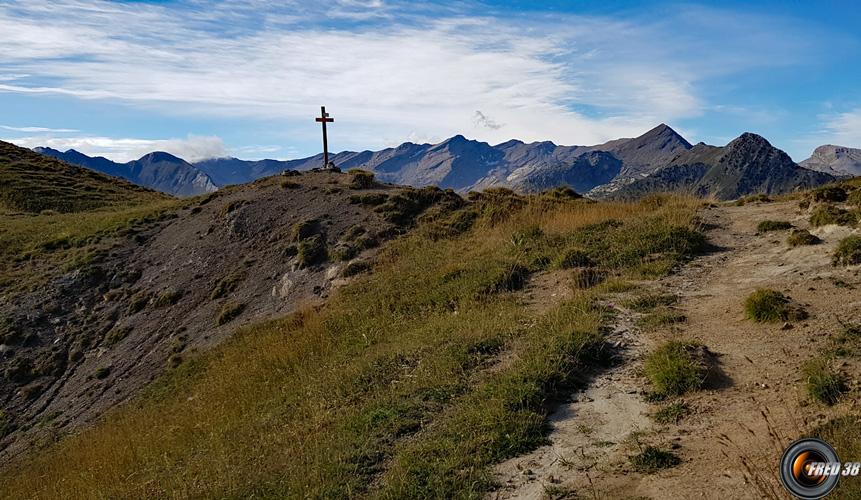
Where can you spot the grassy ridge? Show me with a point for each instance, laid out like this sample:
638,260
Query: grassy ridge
409,383
31,182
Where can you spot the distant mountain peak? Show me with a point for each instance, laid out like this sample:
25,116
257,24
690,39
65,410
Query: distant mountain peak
160,156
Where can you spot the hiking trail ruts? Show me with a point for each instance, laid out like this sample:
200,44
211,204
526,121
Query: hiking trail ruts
731,441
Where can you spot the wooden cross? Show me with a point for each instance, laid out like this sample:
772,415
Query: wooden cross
324,118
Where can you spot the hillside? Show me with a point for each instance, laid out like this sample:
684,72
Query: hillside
501,345
31,182
158,170
106,310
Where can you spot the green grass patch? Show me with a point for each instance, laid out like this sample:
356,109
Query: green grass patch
167,298
848,251
769,306
652,460
672,413
660,317
772,225
227,285
651,301
823,383
675,368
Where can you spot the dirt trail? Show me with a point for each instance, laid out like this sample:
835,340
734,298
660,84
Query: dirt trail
732,439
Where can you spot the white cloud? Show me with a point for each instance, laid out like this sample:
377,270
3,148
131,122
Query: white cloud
31,130
573,79
844,129
192,148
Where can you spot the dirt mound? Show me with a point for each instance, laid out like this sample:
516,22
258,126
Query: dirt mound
94,336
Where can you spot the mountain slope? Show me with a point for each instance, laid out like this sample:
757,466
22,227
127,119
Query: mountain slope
160,171
749,164
835,160
32,182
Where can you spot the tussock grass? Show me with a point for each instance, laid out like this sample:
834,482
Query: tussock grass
800,237
769,306
409,383
848,251
672,413
829,194
650,301
773,225
844,434
674,369
829,214
822,382
654,459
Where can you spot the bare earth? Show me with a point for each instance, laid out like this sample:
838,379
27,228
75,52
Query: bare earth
731,441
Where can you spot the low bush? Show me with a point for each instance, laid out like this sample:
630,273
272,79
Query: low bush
138,302
765,305
829,214
676,368
304,229
116,334
311,251
361,179
372,199
228,313
355,267
654,459
772,225
822,382
848,251
799,237
829,194
226,285
103,372
288,184
167,298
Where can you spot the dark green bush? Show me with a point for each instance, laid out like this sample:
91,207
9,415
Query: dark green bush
829,194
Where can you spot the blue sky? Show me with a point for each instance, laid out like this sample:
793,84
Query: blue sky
245,78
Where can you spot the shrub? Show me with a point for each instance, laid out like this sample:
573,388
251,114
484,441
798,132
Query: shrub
587,277
362,179
116,334
304,229
765,305
372,199
675,368
830,194
356,267
800,237
772,225
672,413
311,251
822,383
103,372
761,198
228,313
167,298
829,214
574,257
138,302
848,251
226,285
653,459
561,193
288,184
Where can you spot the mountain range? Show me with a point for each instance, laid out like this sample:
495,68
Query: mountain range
659,160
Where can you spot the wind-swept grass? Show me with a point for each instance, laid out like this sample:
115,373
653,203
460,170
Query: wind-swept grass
410,383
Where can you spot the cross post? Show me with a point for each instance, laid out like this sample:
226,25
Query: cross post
324,119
